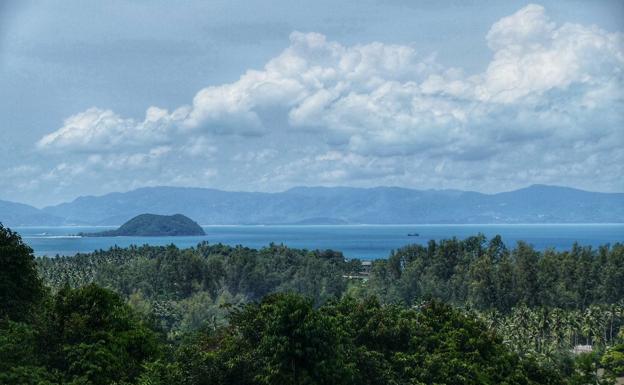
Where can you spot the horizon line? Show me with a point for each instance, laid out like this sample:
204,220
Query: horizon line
312,187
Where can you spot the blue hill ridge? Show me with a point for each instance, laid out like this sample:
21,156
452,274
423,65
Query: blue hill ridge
332,205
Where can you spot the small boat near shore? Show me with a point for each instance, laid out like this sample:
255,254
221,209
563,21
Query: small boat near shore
413,234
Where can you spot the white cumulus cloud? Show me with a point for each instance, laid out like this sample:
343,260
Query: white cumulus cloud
551,98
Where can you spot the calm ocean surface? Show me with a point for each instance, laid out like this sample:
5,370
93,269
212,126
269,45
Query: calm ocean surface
357,241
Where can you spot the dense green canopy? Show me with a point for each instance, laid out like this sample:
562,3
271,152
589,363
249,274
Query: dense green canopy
453,312
20,286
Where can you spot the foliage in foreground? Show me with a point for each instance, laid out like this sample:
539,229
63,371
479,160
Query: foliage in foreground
21,288
284,340
83,336
268,334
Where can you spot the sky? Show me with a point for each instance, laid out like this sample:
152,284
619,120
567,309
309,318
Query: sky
489,96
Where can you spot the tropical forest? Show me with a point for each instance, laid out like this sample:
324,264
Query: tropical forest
471,311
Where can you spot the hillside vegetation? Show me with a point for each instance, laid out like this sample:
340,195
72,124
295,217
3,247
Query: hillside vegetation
454,312
152,225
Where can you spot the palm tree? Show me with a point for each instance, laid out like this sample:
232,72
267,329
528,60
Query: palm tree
574,326
557,327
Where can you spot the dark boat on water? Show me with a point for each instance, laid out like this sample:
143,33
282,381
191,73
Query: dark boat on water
413,234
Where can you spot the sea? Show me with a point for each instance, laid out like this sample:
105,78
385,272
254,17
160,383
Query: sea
354,241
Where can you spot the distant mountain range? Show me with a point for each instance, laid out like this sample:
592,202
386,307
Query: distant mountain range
330,205
16,214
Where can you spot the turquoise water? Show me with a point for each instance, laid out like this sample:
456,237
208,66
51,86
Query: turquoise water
357,241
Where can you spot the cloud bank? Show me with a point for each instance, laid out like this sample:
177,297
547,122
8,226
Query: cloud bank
548,108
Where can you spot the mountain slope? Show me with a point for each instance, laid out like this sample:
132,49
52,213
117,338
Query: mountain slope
381,205
19,214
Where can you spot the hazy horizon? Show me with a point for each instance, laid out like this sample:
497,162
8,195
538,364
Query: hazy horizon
305,187
488,97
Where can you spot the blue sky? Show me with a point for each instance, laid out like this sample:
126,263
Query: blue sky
484,95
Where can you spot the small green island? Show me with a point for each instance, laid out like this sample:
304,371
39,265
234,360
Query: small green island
152,225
